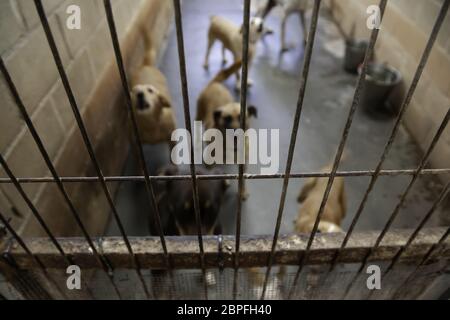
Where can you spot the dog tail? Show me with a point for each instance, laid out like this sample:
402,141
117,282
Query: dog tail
226,73
150,52
150,57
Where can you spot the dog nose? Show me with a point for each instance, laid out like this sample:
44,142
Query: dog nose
140,96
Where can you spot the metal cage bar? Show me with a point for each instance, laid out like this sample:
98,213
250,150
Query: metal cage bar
254,250
104,264
298,112
402,111
187,121
414,234
79,120
67,259
243,124
35,259
247,176
402,199
348,124
337,159
228,251
426,257
138,141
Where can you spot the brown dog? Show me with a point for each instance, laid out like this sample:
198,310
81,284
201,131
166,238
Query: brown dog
217,109
310,198
152,103
231,37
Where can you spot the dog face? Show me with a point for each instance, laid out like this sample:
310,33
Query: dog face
146,97
228,116
256,29
181,203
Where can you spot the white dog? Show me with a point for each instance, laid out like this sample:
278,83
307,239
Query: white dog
289,7
231,37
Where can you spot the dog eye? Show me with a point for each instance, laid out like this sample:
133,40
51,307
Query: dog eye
150,90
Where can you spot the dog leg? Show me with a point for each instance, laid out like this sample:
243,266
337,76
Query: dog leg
211,41
238,81
283,46
303,25
224,58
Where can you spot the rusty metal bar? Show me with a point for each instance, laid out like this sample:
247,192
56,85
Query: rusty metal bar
402,199
254,252
67,259
426,257
34,211
55,175
187,121
298,112
83,131
35,259
138,141
355,103
414,234
243,115
422,164
248,176
419,228
402,111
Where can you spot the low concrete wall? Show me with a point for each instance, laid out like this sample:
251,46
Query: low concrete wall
88,58
404,32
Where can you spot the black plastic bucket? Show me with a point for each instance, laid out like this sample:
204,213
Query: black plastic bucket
380,81
354,54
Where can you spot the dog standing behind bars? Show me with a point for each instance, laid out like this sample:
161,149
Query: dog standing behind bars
217,109
152,103
231,37
289,7
310,198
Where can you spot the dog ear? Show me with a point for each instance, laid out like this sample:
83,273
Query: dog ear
163,101
310,183
252,111
217,114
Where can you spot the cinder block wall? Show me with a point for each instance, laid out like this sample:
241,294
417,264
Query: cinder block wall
404,32
88,59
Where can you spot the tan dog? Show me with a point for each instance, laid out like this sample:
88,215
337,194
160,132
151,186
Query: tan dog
217,109
231,37
152,103
311,197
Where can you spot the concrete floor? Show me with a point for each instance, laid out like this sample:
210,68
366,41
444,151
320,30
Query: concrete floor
328,98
